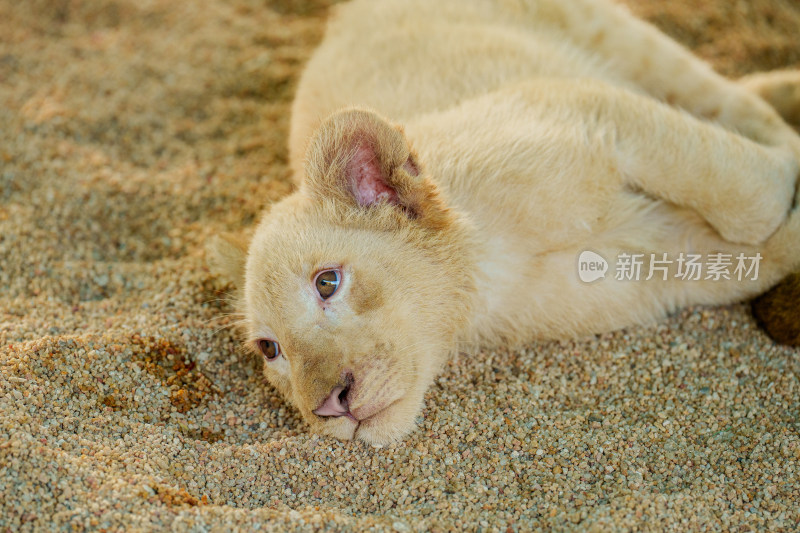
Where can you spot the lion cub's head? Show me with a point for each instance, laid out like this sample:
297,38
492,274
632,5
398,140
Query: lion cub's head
356,286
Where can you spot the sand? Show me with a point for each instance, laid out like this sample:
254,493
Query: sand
131,131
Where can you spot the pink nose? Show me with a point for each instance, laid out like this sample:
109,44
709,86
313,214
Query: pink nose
337,402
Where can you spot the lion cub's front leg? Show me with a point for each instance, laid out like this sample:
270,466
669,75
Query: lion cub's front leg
741,188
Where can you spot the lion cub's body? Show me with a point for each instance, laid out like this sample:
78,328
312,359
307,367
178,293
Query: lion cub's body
529,131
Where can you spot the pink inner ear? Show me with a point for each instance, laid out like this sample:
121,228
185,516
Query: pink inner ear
366,180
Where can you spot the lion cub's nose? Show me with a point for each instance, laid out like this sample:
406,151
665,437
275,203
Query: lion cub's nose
336,404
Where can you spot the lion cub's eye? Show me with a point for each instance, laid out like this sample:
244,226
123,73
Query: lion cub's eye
327,282
269,348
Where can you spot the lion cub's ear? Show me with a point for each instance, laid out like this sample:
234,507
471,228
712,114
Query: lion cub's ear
226,255
358,157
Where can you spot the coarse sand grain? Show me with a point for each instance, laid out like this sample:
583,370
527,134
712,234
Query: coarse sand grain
132,131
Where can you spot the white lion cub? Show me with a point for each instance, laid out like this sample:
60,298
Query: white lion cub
456,157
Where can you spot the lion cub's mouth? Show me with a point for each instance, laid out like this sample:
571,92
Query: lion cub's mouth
369,412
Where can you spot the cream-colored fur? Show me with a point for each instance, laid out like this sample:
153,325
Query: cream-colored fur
507,137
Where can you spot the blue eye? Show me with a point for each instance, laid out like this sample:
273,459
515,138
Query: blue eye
269,349
327,282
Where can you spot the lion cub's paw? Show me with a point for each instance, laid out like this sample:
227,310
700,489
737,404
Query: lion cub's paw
751,217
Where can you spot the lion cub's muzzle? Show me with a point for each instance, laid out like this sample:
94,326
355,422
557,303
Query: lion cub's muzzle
360,397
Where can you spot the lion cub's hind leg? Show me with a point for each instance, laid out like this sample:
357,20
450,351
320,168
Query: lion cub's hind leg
637,52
